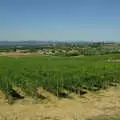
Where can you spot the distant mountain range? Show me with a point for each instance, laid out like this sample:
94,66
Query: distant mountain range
21,43
31,43
34,43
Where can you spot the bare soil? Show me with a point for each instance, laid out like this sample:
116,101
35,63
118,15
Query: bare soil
17,54
91,106
113,60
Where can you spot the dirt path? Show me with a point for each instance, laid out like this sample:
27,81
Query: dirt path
106,103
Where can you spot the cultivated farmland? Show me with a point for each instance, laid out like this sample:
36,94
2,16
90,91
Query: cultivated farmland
82,77
58,74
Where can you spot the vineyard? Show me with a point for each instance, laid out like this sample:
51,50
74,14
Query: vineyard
59,74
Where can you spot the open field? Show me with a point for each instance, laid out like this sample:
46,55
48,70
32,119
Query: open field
59,74
86,84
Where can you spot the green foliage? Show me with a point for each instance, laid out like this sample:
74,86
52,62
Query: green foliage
55,73
113,118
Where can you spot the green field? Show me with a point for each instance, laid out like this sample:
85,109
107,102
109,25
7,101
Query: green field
114,118
56,74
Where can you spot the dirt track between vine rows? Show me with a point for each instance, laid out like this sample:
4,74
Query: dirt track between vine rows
106,103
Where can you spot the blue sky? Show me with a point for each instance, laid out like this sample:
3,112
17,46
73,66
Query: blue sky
60,20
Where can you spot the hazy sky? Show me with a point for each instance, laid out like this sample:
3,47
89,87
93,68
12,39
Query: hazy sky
60,20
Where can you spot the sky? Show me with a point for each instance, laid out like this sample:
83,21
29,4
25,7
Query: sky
83,20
